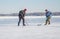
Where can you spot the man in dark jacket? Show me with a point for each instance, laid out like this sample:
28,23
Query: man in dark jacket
21,16
48,17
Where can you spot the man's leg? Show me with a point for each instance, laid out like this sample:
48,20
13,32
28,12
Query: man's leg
23,21
19,21
46,21
49,20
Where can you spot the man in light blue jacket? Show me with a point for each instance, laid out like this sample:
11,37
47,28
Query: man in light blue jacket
48,17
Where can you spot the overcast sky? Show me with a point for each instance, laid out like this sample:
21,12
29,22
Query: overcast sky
13,6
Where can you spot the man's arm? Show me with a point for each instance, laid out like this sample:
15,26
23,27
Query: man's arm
24,14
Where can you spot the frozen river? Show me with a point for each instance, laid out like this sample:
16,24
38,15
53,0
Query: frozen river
29,20
10,30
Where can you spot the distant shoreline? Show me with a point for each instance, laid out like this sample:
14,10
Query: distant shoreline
32,14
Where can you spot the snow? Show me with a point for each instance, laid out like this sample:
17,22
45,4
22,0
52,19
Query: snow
30,32
3,17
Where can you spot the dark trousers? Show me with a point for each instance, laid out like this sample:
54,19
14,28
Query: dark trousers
21,18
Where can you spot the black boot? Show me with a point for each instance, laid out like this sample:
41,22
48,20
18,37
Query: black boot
24,25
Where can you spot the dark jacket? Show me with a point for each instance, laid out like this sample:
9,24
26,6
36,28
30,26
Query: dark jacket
21,13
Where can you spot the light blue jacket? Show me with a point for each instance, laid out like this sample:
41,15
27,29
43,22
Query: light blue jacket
48,13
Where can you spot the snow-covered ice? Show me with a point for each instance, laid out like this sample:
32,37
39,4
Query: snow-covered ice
10,30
